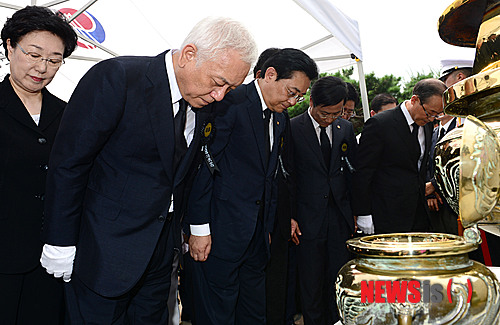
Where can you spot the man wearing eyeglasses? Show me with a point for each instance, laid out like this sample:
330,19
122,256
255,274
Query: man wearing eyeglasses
231,211
394,148
324,154
351,102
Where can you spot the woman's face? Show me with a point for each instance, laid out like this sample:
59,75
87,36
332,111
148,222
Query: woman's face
26,72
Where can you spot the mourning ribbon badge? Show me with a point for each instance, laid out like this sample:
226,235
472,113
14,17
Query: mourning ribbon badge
207,137
345,149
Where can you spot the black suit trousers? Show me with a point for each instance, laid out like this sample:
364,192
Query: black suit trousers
34,297
319,261
228,293
145,304
276,280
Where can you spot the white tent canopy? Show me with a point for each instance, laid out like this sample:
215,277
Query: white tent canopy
147,27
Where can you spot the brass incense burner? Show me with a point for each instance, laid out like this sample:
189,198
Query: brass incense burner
426,278
448,288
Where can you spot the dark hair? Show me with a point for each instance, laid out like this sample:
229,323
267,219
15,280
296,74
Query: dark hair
263,57
382,100
427,88
287,61
36,18
328,91
352,94
466,71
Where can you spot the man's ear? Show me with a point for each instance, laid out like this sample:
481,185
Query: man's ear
188,54
271,74
461,76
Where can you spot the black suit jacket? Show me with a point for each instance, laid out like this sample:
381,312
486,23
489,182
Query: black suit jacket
315,181
111,172
24,155
286,207
231,201
388,184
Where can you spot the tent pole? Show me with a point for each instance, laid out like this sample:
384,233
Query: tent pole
362,87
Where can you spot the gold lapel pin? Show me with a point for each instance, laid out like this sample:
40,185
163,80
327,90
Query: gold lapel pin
338,126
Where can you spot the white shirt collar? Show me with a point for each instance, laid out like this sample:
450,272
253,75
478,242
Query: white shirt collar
174,88
315,124
447,125
406,113
260,95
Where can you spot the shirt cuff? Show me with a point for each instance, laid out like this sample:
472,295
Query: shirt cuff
200,230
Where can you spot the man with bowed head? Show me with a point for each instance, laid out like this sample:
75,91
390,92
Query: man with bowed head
114,171
324,155
393,151
231,212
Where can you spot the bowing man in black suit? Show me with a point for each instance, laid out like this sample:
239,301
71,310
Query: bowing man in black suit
324,155
284,224
231,212
112,172
393,151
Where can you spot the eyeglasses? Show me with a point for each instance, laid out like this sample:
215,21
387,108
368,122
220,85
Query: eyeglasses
292,95
350,114
428,115
324,115
34,57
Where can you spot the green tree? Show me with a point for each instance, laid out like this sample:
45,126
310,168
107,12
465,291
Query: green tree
401,90
408,86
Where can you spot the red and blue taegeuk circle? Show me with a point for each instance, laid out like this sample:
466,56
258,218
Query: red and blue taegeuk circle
87,25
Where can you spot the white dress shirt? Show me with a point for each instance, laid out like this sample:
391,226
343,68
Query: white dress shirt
176,96
421,133
317,128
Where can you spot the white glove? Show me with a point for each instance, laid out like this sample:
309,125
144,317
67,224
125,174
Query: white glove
58,260
365,224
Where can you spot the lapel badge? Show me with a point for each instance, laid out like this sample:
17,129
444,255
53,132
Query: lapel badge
338,126
207,130
344,147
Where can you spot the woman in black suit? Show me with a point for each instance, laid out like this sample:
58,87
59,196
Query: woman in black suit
35,40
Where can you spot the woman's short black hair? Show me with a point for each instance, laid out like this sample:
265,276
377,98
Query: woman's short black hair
36,18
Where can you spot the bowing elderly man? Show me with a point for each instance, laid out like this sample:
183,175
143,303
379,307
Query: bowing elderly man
112,172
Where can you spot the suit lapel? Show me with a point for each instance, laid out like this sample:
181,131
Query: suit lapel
278,128
254,110
12,104
403,130
428,128
194,146
337,137
158,102
310,136
51,109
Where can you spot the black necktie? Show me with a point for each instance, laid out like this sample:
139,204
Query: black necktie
414,134
267,118
325,146
180,140
442,133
